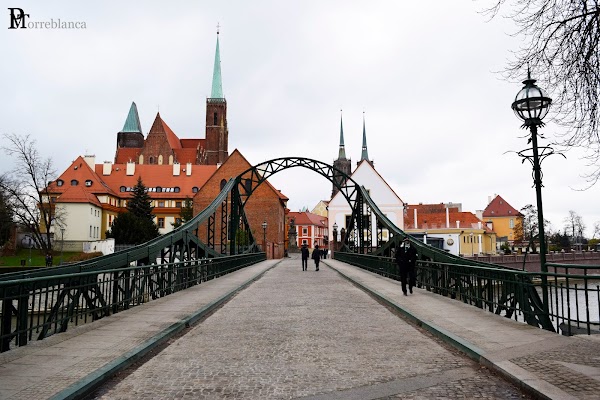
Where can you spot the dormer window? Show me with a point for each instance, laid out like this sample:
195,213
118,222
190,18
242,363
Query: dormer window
59,182
158,189
195,189
176,189
122,189
74,182
88,182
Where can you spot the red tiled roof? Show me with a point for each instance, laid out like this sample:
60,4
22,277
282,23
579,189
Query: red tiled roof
433,216
192,143
498,207
126,154
85,177
308,218
77,194
185,155
158,176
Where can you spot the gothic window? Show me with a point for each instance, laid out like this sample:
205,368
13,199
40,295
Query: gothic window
151,160
215,120
223,183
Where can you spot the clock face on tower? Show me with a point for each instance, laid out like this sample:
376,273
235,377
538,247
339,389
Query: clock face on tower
450,242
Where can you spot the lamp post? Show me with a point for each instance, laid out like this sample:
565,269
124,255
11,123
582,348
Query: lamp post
62,243
531,105
264,226
335,226
472,251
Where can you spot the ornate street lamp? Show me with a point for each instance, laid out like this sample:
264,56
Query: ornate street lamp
264,226
531,105
335,226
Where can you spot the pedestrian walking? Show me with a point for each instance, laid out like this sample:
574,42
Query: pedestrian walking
316,255
406,258
304,252
48,260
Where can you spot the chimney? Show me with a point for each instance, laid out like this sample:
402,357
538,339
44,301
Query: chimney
176,169
457,224
130,170
90,160
447,217
479,225
106,168
479,214
416,225
188,169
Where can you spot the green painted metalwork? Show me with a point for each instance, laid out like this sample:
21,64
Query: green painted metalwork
132,123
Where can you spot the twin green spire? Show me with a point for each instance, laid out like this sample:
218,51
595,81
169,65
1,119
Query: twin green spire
342,153
217,85
365,153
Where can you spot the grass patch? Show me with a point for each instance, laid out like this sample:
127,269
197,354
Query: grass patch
38,258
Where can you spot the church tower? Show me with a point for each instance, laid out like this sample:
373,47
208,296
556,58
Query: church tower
131,135
342,163
217,135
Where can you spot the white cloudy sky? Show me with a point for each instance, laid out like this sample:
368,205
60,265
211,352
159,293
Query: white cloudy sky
439,123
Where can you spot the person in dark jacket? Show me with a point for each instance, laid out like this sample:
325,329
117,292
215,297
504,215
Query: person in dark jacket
304,252
406,258
316,255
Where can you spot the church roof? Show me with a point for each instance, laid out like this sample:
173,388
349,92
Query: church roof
160,127
132,123
217,86
126,154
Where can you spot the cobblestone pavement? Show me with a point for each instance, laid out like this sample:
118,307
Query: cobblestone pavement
314,335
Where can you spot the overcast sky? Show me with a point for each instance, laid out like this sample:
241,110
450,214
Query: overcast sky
438,118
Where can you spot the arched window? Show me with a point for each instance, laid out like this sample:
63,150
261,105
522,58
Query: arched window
150,160
195,189
223,183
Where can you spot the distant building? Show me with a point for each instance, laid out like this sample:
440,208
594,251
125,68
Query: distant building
311,229
448,228
503,219
321,208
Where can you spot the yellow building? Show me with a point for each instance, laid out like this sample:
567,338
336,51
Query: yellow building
504,219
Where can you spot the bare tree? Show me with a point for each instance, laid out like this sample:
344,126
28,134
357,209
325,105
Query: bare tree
26,187
561,47
596,229
527,229
574,224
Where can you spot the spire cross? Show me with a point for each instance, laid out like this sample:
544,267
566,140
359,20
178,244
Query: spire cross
218,26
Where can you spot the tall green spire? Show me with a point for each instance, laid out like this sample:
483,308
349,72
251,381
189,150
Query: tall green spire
365,153
132,123
217,86
342,153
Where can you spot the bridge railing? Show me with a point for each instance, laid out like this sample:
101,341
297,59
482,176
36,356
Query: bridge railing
574,291
35,308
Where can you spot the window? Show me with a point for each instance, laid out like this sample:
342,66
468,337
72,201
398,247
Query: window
215,119
88,182
304,231
161,222
248,185
53,199
122,189
304,241
195,189
161,203
74,182
511,223
151,160
158,189
223,183
59,182
176,189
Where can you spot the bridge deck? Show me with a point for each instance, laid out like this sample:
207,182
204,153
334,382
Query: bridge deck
293,334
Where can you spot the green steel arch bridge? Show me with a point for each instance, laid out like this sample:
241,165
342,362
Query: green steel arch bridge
38,304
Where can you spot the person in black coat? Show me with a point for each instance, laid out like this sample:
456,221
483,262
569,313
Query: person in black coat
304,252
316,255
406,258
